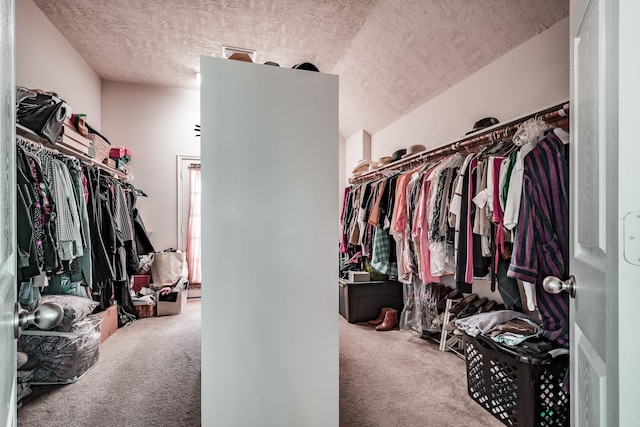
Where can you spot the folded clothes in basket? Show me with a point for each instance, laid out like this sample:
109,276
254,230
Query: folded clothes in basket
515,331
483,323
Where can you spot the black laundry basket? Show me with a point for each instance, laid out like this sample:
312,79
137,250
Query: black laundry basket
522,391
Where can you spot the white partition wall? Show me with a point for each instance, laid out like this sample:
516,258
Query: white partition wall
269,246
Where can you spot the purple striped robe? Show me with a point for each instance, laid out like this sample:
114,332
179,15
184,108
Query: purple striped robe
542,235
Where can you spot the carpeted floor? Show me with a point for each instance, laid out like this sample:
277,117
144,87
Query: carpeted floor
397,379
148,375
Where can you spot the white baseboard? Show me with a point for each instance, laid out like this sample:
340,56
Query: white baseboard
194,293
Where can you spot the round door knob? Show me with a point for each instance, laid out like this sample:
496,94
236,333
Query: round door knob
554,285
46,316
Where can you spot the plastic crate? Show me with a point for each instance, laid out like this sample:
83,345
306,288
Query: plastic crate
362,301
522,391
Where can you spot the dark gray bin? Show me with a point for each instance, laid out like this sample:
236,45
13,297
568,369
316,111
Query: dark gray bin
362,301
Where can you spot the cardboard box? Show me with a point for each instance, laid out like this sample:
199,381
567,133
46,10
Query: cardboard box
109,322
70,131
121,165
72,144
145,310
139,282
120,153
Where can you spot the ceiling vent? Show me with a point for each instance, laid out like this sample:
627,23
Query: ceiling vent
227,51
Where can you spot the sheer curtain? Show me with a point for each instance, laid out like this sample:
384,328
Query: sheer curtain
193,236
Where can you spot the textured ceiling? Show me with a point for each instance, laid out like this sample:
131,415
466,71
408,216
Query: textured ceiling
391,55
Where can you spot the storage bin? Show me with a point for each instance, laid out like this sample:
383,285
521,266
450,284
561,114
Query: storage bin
362,301
175,302
101,146
522,391
62,357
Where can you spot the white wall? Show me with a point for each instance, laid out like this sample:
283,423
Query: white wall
46,60
270,326
156,123
357,147
531,76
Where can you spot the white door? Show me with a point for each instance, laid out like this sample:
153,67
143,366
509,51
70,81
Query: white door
605,211
7,218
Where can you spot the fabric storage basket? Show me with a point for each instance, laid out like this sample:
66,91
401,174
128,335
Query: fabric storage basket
522,391
62,357
102,147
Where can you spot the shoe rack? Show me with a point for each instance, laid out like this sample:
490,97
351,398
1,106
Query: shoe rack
450,341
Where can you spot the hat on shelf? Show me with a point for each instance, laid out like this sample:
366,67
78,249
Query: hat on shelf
384,160
397,155
361,166
373,165
414,149
305,66
483,123
275,64
244,57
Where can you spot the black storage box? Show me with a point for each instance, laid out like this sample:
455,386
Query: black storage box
522,391
362,301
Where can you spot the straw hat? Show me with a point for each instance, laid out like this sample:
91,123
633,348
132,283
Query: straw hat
414,149
384,160
361,166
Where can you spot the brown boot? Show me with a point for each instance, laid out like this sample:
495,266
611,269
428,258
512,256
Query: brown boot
380,318
390,321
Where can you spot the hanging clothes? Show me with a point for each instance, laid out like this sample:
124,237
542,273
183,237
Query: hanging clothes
541,246
82,264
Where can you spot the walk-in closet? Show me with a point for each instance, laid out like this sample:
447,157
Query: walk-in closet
336,213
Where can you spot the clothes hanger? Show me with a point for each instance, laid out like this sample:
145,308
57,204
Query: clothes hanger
499,142
530,131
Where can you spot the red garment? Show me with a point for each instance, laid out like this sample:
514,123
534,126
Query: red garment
420,232
345,238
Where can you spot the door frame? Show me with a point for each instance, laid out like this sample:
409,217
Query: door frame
8,207
180,158
628,213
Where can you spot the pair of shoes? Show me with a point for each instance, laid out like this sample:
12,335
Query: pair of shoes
390,320
380,318
436,323
442,303
463,303
451,326
440,291
489,306
472,308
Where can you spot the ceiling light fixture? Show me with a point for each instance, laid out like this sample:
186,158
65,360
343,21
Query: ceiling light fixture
227,51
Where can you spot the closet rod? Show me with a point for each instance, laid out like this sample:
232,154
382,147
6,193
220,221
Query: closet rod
34,145
557,115
30,137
